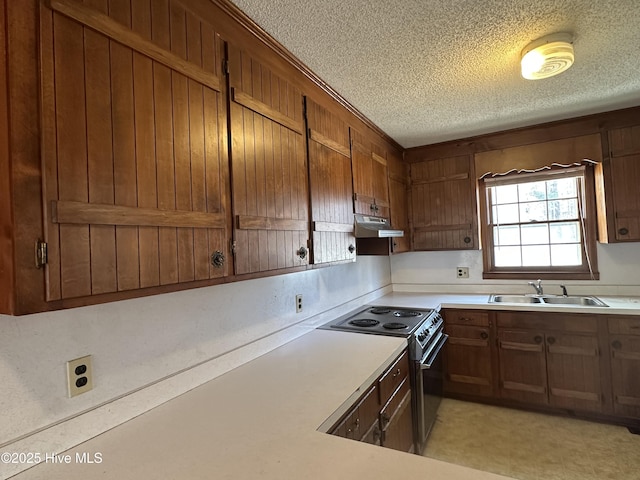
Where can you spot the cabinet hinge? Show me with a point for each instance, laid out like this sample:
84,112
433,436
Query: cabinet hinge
41,254
233,247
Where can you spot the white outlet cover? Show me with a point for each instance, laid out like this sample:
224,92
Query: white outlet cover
73,377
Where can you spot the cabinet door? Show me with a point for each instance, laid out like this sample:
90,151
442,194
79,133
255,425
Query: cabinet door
468,363
380,180
331,186
268,164
625,176
443,204
523,375
397,420
625,374
370,184
573,370
133,146
398,201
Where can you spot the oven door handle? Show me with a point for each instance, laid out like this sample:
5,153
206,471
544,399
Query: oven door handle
425,363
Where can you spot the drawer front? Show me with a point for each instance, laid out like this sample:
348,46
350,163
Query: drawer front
466,317
624,325
359,420
393,377
393,403
548,321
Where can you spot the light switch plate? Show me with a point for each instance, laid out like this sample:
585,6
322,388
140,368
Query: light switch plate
79,376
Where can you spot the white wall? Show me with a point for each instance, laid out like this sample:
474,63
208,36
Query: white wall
137,342
619,266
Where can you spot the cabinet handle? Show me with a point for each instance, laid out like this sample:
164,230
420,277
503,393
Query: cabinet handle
385,420
537,339
551,340
397,372
217,259
302,253
372,207
351,248
616,344
467,240
623,231
484,335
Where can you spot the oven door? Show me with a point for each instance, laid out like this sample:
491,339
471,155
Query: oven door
429,383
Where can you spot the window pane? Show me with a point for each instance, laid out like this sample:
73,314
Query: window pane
566,254
533,212
565,232
563,209
536,256
505,194
535,234
507,256
506,235
532,191
562,188
507,214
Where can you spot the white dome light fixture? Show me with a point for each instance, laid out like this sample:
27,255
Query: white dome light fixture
547,56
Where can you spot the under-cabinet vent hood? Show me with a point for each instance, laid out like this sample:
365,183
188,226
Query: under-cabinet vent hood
374,227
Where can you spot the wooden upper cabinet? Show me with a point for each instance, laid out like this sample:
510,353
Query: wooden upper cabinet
269,168
398,201
620,179
443,204
331,186
135,178
370,184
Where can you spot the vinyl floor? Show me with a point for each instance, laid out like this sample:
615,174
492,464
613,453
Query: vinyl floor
532,446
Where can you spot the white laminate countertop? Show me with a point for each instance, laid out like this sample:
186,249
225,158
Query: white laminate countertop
616,305
260,421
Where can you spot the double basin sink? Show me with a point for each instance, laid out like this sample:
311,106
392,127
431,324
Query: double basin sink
586,301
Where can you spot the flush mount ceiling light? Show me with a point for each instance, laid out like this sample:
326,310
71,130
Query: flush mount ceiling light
547,56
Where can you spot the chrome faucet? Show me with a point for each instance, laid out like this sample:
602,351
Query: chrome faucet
538,286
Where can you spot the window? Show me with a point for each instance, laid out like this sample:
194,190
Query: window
538,224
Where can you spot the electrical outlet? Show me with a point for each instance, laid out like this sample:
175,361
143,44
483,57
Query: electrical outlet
298,303
462,272
79,376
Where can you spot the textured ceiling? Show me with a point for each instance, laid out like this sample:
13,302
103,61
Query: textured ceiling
435,70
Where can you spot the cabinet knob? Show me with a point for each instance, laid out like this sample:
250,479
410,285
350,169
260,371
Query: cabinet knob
551,340
302,253
537,339
484,335
351,248
217,259
396,373
623,231
616,344
466,240
372,207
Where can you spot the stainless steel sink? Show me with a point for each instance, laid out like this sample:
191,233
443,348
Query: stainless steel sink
575,300
514,299
588,301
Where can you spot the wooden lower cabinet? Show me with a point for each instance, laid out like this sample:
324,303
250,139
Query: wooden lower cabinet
523,375
468,353
383,415
550,359
624,344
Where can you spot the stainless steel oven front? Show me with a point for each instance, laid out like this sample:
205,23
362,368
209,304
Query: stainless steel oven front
428,380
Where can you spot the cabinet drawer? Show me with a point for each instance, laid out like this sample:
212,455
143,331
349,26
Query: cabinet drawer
359,420
624,325
466,317
393,377
393,403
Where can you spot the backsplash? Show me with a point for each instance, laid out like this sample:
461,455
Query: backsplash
619,266
136,343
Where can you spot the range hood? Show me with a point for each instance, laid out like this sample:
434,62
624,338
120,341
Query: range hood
374,227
